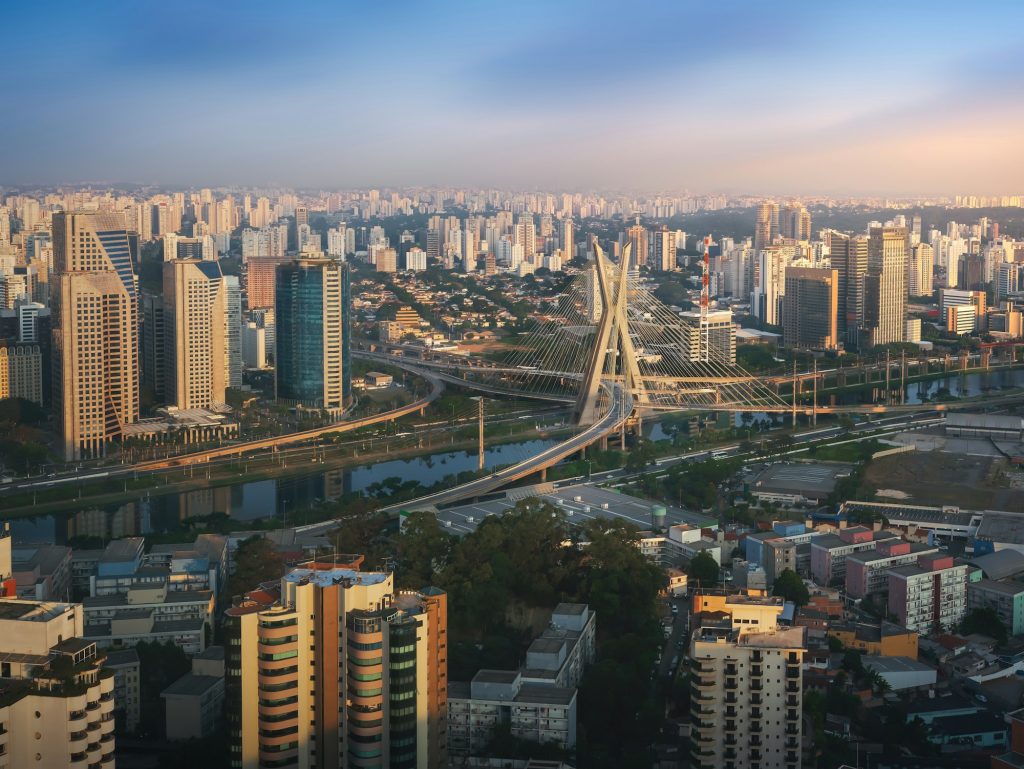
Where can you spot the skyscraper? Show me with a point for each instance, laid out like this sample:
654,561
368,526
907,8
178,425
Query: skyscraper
566,229
920,267
795,222
664,249
195,326
340,669
770,285
526,236
95,335
850,261
636,236
766,225
810,308
312,313
885,286
233,331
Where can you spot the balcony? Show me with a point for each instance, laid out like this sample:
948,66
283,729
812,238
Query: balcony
792,672
792,715
792,758
792,687
730,684
705,738
756,670
792,743
704,684
791,702
755,727
791,729
756,686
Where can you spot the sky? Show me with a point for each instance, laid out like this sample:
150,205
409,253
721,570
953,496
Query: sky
732,96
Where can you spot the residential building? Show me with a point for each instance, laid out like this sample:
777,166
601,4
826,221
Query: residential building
746,695
233,331
811,308
885,286
637,241
21,372
337,666
95,334
795,222
849,258
150,612
1005,598
920,268
195,328
194,704
867,572
543,714
42,572
127,698
766,225
260,281
538,701
747,613
663,249
770,284
1014,758
884,638
313,337
930,595
710,341
56,701
828,552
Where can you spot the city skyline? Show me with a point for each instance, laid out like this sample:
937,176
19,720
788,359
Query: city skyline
740,99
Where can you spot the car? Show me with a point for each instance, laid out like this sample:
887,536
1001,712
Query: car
981,698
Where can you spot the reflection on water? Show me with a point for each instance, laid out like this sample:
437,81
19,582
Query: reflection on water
288,497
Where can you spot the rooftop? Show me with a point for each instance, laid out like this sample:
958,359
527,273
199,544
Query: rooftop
1000,564
191,685
123,549
119,657
328,577
496,676
782,638
32,611
805,478
895,664
570,608
1011,587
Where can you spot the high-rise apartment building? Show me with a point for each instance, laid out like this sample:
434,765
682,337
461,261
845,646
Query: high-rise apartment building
746,692
766,224
566,240
526,236
312,343
849,255
810,308
95,334
260,281
795,222
885,287
920,269
708,341
233,330
195,333
637,238
152,346
338,669
770,284
57,709
663,249
930,595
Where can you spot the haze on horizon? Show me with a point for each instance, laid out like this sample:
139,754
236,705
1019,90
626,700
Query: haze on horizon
808,98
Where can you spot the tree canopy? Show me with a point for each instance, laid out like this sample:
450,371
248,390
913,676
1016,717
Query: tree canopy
703,570
985,621
256,561
789,585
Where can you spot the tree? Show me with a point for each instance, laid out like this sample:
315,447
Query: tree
640,456
791,587
703,570
422,549
256,561
985,621
160,665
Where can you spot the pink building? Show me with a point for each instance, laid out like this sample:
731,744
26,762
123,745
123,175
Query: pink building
929,595
829,553
867,572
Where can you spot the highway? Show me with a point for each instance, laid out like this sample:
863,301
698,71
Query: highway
235,449
621,409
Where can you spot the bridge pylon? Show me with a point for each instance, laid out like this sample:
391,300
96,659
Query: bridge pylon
613,353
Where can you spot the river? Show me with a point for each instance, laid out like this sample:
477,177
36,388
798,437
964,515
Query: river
289,498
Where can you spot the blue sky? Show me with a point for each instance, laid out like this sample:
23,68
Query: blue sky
781,97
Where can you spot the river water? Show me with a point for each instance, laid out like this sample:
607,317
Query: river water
289,498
